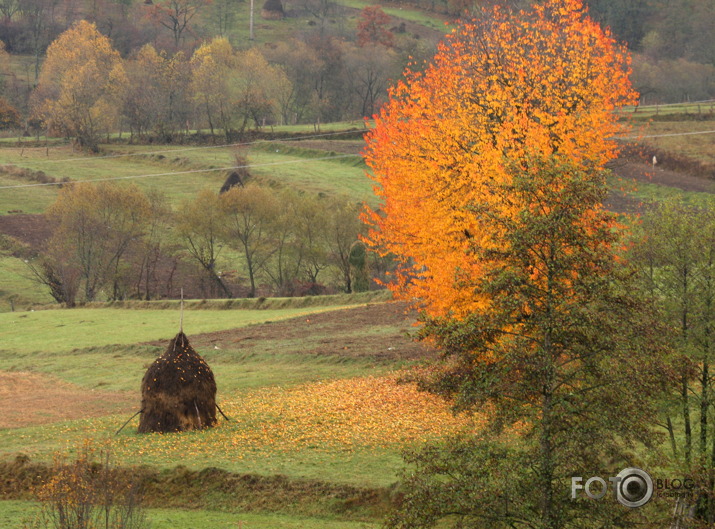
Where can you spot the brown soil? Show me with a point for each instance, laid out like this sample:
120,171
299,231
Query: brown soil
30,399
632,171
32,230
646,173
381,331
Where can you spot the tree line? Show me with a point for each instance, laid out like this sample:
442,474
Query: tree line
86,90
108,242
159,88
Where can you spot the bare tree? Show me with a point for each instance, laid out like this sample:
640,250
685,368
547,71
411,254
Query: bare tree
94,225
175,15
250,212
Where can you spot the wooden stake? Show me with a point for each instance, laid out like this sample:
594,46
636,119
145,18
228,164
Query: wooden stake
198,415
181,318
222,413
250,24
130,418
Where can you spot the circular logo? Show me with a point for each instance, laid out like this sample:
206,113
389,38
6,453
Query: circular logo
634,488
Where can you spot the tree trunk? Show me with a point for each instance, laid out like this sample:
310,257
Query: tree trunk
548,516
704,407
686,419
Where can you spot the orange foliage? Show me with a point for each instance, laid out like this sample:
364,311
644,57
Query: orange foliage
337,415
372,27
506,87
345,414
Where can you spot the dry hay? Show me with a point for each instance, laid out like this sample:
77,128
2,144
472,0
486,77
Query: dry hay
273,10
178,391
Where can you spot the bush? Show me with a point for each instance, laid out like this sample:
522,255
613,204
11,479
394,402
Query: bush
86,494
9,116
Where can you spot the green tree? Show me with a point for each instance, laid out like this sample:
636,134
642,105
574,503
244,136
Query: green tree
284,267
563,332
152,246
312,224
201,226
344,227
675,249
359,270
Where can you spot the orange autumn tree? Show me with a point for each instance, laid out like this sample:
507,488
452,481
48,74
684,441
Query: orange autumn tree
490,167
539,83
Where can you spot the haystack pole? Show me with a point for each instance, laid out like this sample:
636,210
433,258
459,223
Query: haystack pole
179,389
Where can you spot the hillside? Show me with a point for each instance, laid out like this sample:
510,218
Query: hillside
327,456
225,169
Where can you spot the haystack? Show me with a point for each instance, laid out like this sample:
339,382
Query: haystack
233,180
178,391
273,10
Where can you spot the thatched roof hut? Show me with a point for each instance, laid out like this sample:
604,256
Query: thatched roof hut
273,10
178,391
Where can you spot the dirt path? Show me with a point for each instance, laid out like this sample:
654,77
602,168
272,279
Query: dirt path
641,172
631,171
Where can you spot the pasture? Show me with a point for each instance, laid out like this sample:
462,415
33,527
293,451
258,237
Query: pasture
313,387
313,393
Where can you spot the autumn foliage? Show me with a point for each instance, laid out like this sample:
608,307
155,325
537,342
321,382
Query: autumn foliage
504,88
372,27
80,86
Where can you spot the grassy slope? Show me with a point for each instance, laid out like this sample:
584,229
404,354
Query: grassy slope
301,169
13,514
57,342
62,331
295,168
23,200
16,282
39,340
677,137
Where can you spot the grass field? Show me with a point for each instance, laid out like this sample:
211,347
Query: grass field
13,514
348,431
670,109
689,139
312,390
180,174
17,285
61,331
24,199
315,397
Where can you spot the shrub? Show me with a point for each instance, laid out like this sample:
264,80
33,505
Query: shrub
86,494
